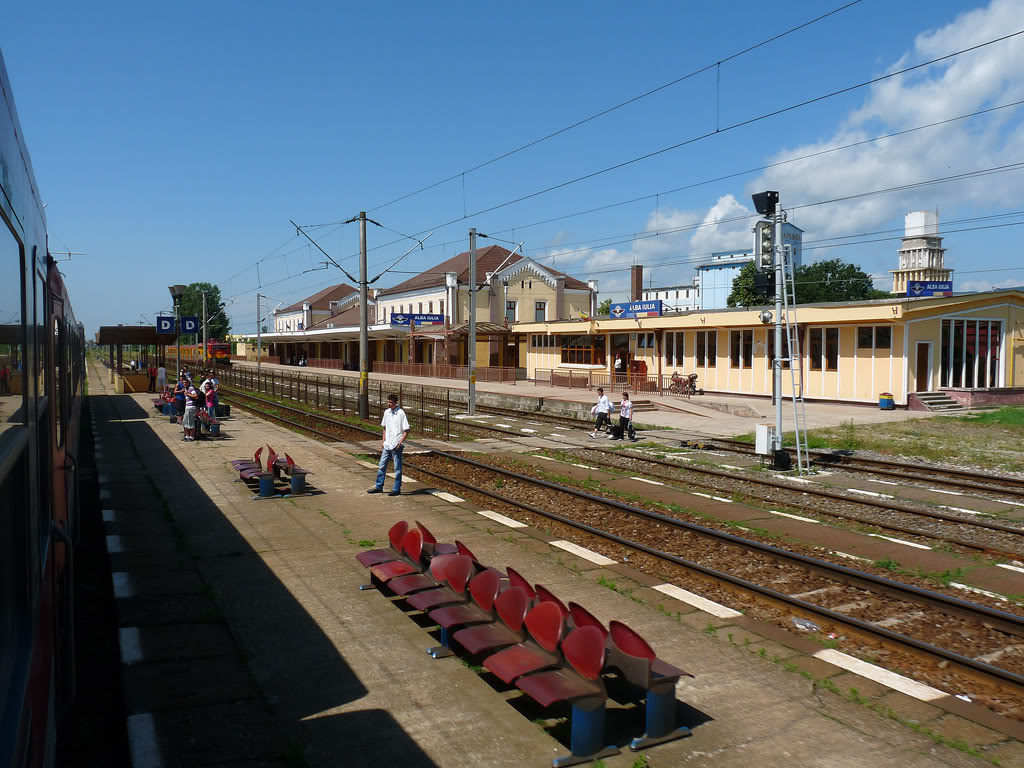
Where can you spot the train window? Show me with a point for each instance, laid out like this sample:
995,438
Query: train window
12,335
39,340
59,371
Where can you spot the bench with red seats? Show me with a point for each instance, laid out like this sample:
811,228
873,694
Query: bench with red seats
265,477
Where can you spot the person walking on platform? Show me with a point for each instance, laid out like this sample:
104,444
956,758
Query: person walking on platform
161,378
151,371
396,429
602,409
625,419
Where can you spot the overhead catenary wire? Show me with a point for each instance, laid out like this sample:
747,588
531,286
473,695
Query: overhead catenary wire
715,65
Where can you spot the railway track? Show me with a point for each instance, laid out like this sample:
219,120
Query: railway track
950,643
921,473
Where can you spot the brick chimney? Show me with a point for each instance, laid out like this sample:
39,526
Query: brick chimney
636,282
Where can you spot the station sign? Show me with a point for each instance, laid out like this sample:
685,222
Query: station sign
190,325
164,324
631,309
917,288
403,319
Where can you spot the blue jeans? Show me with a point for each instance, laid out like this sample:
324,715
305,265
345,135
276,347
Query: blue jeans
386,455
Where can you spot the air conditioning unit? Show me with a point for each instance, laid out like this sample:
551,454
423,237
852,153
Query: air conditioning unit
764,439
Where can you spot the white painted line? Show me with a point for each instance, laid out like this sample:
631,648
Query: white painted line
1007,501
507,426
870,493
584,466
528,431
796,479
850,557
109,516
583,552
961,509
886,482
703,495
708,606
879,675
409,479
131,645
114,544
730,466
558,436
142,742
900,541
546,458
123,585
939,490
1009,567
501,519
793,517
447,496
977,590
645,480
722,498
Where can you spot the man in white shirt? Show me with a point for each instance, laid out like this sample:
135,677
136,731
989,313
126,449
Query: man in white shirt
396,429
161,378
602,409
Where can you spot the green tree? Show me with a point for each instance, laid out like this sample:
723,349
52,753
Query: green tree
604,308
828,280
218,325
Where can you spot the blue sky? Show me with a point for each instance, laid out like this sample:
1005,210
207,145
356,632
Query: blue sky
174,143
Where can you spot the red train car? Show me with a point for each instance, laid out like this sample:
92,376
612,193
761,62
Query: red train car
42,366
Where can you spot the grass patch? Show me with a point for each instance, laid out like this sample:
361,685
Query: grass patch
367,543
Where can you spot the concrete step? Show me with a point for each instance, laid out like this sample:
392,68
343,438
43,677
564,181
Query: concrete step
938,401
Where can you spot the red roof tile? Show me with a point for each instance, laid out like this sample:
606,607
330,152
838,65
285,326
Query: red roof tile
322,299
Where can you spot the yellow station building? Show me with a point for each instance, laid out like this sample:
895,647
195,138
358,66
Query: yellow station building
967,345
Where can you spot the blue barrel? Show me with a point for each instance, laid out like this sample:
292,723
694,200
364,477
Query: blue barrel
886,401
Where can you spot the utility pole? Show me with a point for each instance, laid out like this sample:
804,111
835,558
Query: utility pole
471,345
364,363
205,348
259,337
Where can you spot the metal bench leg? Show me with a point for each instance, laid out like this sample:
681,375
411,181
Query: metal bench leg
266,485
298,484
215,430
587,737
441,651
661,718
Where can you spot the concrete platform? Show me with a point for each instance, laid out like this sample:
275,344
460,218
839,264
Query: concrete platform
316,672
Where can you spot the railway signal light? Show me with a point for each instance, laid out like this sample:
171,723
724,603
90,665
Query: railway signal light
764,246
765,202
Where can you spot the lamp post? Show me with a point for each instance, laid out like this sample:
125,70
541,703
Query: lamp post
177,291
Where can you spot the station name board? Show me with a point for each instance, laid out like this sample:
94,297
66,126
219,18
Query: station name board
636,309
403,319
925,288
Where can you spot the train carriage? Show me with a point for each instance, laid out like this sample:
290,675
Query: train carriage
41,373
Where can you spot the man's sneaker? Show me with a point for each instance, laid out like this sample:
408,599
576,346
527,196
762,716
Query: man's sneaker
395,493
376,490
593,436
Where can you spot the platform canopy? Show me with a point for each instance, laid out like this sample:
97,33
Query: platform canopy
484,331
143,335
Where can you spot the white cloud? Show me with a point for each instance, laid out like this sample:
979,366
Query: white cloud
733,233
987,77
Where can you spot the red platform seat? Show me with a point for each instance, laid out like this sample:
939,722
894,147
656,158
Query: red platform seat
515,580
240,464
511,607
581,617
412,549
483,590
546,626
579,684
455,577
431,544
396,536
264,476
545,596
631,655
432,578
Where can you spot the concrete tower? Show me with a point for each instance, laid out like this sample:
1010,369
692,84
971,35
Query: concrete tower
921,253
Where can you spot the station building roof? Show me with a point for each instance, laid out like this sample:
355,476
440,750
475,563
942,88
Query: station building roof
132,334
878,311
487,260
322,299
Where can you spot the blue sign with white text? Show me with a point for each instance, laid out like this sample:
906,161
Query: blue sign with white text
636,309
403,319
190,325
164,324
929,288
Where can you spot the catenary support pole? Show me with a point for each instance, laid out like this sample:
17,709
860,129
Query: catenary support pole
206,348
471,342
259,338
780,286
364,375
